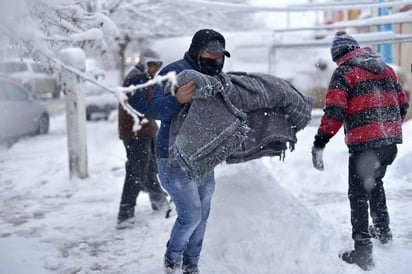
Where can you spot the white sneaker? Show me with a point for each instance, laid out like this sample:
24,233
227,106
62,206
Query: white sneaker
128,223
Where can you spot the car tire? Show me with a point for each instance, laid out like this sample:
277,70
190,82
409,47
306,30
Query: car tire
44,124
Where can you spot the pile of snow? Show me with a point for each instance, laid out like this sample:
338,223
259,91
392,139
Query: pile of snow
258,227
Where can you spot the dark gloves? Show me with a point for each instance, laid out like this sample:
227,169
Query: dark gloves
317,158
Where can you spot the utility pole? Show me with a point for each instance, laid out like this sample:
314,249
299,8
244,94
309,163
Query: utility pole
73,88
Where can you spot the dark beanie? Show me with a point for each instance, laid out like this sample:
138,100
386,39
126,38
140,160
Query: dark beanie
209,40
342,44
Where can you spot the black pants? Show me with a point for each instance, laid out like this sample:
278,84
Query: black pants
141,174
366,171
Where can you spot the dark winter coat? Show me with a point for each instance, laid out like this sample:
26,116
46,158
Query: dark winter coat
365,96
125,123
163,107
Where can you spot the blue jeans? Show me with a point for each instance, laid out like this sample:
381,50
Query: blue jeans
192,200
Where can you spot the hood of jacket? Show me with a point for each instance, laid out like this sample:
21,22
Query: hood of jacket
365,58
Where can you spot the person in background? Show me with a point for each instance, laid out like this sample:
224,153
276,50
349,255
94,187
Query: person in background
365,96
192,199
141,169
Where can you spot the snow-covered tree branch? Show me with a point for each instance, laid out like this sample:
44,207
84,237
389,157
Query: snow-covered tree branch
41,28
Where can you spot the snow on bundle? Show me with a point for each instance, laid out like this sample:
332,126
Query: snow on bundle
236,117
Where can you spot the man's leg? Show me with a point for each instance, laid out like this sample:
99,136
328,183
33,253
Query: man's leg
132,183
186,196
358,194
378,209
194,246
157,195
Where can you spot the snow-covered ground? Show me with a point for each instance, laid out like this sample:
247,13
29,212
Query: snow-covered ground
267,216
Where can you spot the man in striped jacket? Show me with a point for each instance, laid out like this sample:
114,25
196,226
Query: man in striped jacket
366,98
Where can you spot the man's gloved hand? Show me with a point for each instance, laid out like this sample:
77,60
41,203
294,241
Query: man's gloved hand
317,158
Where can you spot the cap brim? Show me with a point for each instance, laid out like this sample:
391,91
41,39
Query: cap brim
218,51
215,47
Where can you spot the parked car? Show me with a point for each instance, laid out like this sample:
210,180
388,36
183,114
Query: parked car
21,113
32,76
99,102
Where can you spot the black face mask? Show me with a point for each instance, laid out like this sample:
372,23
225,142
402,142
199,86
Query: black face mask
210,66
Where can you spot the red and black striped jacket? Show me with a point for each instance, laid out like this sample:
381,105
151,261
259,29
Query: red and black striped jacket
365,96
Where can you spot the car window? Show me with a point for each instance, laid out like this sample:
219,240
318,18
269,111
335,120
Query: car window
16,93
12,67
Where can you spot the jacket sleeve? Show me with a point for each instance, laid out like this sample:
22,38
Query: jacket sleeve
160,107
334,112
